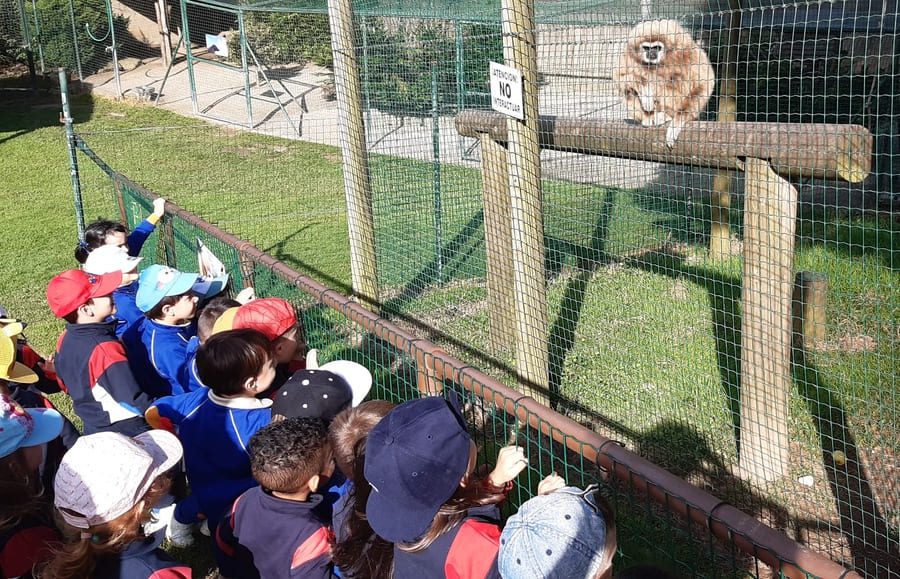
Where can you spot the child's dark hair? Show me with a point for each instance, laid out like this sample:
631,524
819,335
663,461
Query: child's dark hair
156,312
78,558
210,313
361,553
95,236
225,361
21,493
285,455
351,426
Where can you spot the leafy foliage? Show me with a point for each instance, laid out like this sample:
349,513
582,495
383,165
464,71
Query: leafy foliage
55,33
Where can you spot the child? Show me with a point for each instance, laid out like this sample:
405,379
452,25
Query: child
364,554
215,425
27,533
24,385
104,232
419,463
90,361
44,369
323,392
205,322
169,298
276,522
562,532
109,259
277,320
105,502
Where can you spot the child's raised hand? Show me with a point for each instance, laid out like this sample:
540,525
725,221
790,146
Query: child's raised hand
553,482
510,462
159,207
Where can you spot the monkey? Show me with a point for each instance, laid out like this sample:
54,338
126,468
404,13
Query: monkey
664,76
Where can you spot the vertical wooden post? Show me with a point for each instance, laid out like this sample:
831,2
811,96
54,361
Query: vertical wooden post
810,290
720,202
357,187
769,222
498,244
165,37
526,206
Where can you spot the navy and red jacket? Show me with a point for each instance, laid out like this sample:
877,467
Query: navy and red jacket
280,538
25,544
92,367
467,551
142,559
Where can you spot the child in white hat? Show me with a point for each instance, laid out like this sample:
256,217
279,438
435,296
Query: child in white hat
105,487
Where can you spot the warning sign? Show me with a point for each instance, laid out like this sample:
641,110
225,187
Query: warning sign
506,90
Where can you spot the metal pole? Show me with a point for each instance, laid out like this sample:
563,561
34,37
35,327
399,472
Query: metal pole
436,178
26,44
114,47
37,33
460,81
74,41
73,158
189,56
246,68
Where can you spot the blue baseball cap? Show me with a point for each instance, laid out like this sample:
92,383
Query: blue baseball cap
562,534
415,459
159,281
20,428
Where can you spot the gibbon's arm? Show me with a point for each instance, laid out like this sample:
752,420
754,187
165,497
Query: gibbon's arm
647,97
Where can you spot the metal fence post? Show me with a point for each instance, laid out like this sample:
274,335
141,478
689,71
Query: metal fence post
73,158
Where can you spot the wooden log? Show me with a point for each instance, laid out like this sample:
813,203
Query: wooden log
819,151
770,210
498,245
810,292
357,186
526,204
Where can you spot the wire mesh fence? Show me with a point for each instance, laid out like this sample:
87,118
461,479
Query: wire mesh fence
675,531
675,282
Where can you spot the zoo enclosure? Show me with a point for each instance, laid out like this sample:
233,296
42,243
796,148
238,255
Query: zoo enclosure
644,321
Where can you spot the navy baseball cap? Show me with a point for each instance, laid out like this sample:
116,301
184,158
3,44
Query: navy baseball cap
415,459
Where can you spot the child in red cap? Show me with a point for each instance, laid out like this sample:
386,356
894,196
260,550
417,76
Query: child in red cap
90,360
277,320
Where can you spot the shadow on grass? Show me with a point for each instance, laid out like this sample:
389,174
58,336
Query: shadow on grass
872,541
22,112
564,328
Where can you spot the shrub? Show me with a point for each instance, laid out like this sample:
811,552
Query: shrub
279,38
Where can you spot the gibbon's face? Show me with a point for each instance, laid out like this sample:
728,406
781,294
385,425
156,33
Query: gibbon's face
652,53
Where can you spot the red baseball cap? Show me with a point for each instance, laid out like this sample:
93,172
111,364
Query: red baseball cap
271,316
73,288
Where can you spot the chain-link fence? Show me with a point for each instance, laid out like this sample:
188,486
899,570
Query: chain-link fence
731,320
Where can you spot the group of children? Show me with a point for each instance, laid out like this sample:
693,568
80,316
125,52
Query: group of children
204,414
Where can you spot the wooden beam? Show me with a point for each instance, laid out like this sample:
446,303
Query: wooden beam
770,211
819,151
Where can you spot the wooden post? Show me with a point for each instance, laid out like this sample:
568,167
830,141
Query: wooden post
357,187
769,222
526,205
165,36
498,244
720,201
810,291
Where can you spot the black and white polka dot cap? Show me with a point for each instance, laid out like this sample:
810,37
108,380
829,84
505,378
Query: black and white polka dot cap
312,394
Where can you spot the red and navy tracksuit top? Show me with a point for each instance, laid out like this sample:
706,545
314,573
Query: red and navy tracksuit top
142,559
92,367
467,551
273,538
